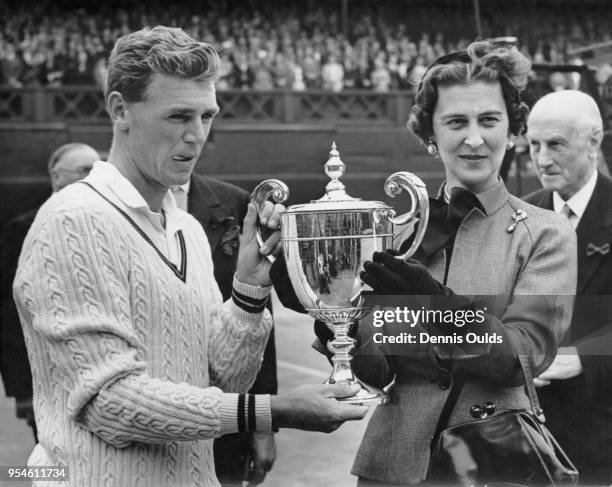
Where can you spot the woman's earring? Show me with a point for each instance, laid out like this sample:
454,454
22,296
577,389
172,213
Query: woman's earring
509,145
432,149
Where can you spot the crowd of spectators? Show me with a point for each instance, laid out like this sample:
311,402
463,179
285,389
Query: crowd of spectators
292,47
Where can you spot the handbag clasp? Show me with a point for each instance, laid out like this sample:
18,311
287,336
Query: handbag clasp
481,412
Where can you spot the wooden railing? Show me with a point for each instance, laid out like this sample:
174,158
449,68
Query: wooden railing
85,104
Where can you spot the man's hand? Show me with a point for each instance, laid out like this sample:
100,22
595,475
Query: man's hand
263,454
565,366
252,266
315,408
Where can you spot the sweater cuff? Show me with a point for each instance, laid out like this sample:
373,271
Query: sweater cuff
252,299
245,412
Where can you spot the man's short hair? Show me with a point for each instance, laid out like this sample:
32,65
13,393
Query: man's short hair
62,150
164,50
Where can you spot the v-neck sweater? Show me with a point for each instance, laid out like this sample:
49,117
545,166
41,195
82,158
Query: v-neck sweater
135,371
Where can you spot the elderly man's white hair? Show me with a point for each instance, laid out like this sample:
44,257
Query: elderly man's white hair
569,105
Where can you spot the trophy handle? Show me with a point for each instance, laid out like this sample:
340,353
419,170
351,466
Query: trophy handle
269,188
419,203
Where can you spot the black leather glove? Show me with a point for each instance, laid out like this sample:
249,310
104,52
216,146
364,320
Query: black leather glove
388,275
282,285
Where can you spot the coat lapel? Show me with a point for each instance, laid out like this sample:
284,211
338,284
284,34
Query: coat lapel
205,206
595,227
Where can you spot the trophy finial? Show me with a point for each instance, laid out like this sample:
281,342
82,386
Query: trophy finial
334,168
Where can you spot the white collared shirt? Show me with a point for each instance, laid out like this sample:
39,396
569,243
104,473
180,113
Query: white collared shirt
131,201
578,202
181,195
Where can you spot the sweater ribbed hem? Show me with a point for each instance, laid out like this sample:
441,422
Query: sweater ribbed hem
251,300
258,292
235,418
229,413
263,413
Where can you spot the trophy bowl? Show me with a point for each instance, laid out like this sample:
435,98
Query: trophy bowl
325,244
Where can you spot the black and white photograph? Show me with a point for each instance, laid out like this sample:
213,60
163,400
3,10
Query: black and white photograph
306,243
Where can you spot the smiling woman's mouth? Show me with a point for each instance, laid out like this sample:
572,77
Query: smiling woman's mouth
473,157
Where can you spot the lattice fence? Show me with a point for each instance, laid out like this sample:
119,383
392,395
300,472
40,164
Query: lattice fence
84,104
12,105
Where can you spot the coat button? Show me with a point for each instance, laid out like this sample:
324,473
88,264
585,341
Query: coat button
443,380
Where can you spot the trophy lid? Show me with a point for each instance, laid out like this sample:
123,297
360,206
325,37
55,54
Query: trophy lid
336,197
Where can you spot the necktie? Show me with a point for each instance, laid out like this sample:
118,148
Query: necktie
570,215
180,196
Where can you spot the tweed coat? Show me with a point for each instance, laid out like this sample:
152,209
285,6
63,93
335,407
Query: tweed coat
587,438
526,278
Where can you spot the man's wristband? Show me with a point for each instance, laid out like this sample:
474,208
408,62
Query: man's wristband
253,413
247,303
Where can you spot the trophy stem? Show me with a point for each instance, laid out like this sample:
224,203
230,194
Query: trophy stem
340,347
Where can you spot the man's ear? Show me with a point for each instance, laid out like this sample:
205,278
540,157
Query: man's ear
53,176
118,111
596,137
595,140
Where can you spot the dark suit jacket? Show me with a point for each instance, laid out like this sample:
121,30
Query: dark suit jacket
220,207
14,364
579,410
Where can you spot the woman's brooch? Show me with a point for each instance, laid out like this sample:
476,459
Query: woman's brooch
517,216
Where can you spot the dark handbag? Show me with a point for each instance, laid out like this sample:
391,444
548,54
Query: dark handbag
509,448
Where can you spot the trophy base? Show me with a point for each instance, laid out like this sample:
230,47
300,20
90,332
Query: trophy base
366,396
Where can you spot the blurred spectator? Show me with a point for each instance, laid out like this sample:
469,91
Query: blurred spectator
283,71
298,79
243,74
311,66
332,74
42,44
381,77
226,72
11,65
262,78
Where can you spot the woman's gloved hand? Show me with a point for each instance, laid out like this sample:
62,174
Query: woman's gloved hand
388,275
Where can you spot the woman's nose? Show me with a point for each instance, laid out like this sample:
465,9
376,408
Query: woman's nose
474,140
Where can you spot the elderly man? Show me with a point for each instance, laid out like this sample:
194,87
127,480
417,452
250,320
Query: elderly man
565,134
68,163
137,363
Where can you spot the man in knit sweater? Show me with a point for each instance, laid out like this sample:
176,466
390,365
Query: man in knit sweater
136,362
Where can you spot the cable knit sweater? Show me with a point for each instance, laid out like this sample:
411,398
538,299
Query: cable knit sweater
129,362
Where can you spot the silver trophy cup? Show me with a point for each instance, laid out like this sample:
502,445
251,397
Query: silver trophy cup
325,244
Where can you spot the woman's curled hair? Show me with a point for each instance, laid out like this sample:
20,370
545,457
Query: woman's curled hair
481,61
